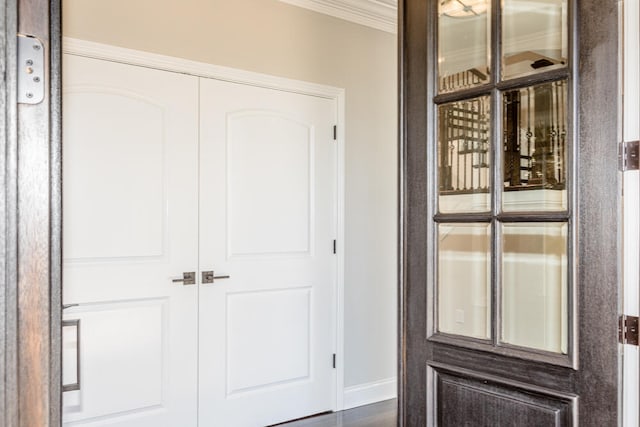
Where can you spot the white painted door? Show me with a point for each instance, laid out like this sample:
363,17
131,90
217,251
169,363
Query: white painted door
267,220
130,226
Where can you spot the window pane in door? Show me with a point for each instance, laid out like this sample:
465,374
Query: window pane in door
463,39
534,36
535,148
464,156
464,274
534,285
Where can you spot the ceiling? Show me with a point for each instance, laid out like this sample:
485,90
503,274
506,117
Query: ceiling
379,14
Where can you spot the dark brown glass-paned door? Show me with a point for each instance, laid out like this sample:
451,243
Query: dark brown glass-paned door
510,206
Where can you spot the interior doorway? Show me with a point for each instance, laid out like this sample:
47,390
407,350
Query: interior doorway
371,243
255,37
201,221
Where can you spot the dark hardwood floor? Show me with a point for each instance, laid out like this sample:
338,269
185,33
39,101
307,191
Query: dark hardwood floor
382,414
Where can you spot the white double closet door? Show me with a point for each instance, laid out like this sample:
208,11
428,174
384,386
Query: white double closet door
166,174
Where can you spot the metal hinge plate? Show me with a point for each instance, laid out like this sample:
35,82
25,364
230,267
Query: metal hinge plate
628,330
30,70
629,156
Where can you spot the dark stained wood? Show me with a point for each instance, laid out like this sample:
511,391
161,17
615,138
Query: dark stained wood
55,253
549,376
413,34
8,232
34,237
497,406
382,414
598,275
30,228
3,215
592,375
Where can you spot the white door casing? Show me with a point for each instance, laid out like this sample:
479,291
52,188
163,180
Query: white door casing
129,313
130,226
268,220
631,211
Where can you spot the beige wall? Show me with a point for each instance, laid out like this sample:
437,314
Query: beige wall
271,37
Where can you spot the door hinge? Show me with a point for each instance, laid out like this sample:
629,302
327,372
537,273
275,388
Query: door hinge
334,246
334,361
628,329
629,156
335,132
30,70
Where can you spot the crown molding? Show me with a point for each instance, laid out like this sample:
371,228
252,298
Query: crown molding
378,14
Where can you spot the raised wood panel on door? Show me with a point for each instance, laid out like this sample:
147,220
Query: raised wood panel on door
130,226
267,219
489,404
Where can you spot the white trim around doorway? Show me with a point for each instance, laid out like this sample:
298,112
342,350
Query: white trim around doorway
199,69
630,91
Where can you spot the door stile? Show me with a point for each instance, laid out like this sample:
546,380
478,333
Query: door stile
414,202
33,183
598,209
432,209
55,389
496,178
8,200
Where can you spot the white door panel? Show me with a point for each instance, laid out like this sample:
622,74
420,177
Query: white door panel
155,185
270,172
267,219
130,225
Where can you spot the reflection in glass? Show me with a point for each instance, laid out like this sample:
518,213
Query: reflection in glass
462,8
463,40
534,36
534,285
464,274
464,156
535,148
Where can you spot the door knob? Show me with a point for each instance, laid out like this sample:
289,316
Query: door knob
188,278
210,277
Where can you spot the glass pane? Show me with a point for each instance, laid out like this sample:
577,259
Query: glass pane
464,275
463,40
534,285
534,36
535,142
464,156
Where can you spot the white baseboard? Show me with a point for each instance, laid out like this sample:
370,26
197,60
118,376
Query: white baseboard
365,394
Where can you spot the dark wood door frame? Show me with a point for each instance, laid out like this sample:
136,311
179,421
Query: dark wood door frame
30,227
413,33
597,212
